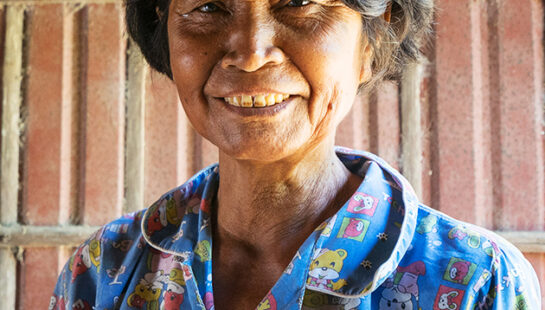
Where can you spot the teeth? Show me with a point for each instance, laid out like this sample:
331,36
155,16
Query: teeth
257,101
246,101
270,99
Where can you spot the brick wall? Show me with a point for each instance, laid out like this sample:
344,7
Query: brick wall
88,132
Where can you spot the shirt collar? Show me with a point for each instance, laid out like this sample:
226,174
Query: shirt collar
165,226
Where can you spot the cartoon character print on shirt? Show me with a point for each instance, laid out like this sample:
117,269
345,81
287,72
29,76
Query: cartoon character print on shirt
156,220
268,303
460,232
86,256
147,291
327,226
362,203
491,249
459,271
353,228
163,213
401,287
57,303
448,298
173,296
521,303
316,300
427,225
81,304
325,269
203,250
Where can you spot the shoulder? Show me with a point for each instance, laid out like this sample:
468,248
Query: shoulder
99,271
103,257
474,261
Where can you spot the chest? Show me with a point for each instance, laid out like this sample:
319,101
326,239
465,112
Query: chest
243,285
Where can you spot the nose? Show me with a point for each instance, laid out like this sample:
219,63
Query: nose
250,45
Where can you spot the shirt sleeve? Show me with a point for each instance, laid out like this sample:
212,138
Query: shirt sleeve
512,282
76,285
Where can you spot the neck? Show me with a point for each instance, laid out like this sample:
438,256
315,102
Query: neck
276,205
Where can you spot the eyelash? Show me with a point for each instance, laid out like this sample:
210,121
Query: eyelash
216,8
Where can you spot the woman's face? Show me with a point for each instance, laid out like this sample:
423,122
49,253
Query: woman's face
229,50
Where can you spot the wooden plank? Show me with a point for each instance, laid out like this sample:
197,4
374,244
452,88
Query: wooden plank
44,236
11,103
411,141
9,161
8,267
135,141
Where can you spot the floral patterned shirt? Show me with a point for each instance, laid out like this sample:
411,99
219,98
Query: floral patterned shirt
382,250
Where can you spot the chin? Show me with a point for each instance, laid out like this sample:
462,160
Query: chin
256,152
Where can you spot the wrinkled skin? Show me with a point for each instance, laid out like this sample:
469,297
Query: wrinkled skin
282,159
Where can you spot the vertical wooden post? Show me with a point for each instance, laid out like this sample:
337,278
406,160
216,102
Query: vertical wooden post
9,178
135,142
411,142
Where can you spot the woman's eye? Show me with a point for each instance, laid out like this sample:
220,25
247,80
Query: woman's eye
208,8
298,3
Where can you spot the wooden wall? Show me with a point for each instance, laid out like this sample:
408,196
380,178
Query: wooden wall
88,132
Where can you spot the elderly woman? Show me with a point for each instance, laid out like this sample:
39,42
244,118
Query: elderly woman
286,220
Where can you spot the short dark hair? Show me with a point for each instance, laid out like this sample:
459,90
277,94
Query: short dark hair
395,43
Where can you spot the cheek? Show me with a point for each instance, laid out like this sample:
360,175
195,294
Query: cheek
190,63
331,64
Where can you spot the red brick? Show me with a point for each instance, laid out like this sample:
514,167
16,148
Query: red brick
538,262
520,115
103,115
353,131
457,168
162,137
39,272
386,133
44,103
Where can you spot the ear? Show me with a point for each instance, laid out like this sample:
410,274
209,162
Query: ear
366,71
159,12
388,13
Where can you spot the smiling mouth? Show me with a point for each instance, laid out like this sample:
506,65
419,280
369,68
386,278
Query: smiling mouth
257,101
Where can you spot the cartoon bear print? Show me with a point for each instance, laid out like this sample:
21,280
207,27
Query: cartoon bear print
147,291
325,268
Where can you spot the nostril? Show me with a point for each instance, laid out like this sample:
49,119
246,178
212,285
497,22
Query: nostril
250,60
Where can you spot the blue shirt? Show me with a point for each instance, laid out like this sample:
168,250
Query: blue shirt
382,250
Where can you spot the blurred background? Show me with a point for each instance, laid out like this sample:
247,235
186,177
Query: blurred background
89,133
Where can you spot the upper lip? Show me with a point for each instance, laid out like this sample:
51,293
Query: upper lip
227,84
250,92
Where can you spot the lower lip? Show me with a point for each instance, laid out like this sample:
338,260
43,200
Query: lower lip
263,111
